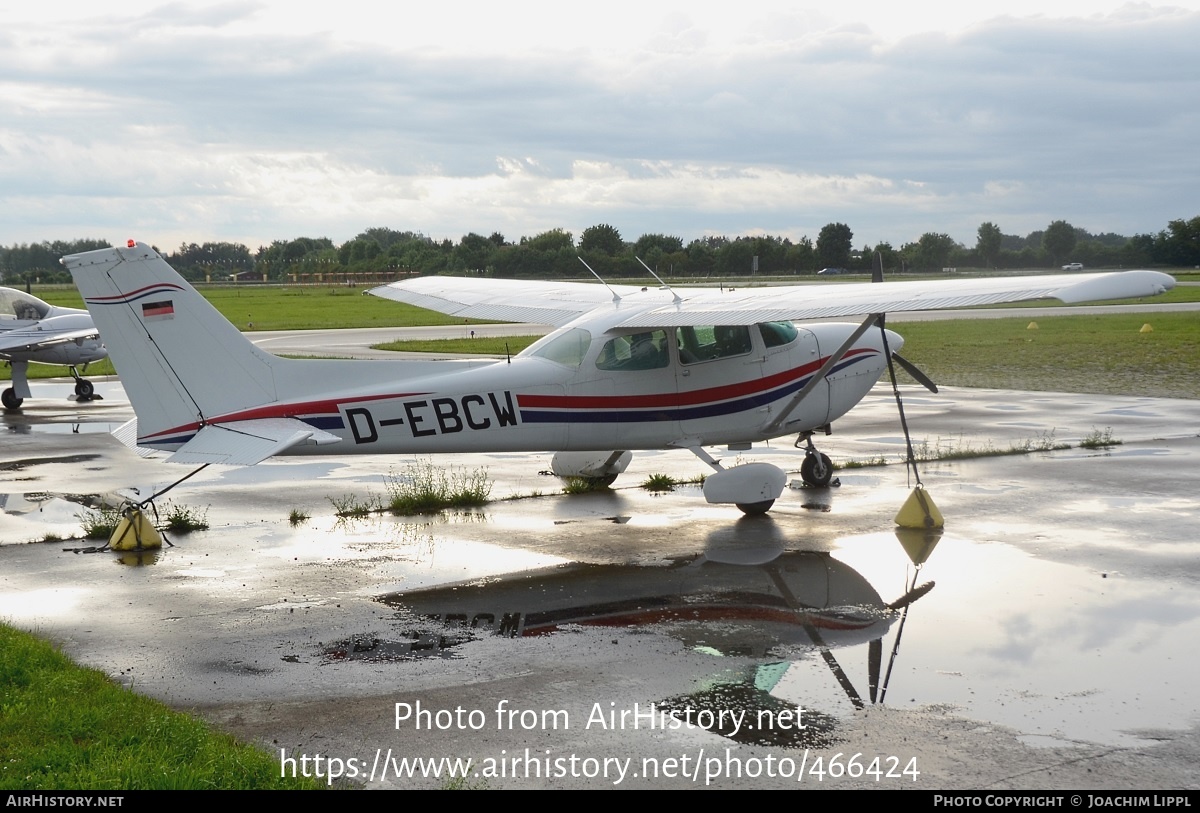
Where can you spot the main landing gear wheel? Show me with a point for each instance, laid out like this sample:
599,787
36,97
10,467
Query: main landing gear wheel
10,399
816,470
600,482
84,389
752,508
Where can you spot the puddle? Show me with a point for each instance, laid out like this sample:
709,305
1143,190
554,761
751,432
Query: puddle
756,602
1044,648
743,609
21,465
73,428
748,713
407,646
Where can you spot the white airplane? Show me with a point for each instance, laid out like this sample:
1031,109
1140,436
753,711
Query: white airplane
34,331
628,368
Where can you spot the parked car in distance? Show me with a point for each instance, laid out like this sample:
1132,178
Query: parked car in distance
1073,267
828,272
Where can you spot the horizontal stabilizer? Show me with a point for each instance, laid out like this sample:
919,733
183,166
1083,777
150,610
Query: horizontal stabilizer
244,443
127,434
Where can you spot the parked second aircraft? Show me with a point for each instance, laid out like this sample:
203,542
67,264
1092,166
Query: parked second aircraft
34,331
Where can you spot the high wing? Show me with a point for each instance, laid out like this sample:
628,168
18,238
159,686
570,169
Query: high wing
557,303
504,300
27,340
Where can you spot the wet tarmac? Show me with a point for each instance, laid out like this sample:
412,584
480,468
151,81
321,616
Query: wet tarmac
1045,641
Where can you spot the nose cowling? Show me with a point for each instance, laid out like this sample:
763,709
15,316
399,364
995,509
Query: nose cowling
895,340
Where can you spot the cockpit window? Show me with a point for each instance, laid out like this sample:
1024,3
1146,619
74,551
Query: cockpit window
708,342
777,334
567,348
19,305
639,351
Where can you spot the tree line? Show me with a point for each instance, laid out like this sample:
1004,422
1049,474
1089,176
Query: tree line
556,253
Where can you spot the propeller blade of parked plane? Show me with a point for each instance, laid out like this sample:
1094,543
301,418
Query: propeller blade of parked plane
915,372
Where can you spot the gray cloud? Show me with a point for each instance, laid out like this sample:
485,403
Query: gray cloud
173,121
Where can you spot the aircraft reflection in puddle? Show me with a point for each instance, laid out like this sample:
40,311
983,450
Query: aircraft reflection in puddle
745,596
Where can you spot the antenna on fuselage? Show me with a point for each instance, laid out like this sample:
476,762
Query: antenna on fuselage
664,285
616,296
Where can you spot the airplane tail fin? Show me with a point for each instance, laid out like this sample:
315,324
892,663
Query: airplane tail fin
183,365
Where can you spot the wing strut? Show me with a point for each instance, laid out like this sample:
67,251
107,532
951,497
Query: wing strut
819,376
919,511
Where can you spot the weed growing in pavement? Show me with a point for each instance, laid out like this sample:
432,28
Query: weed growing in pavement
424,488
1099,439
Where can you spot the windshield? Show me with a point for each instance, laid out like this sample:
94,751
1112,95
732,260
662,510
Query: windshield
566,348
19,305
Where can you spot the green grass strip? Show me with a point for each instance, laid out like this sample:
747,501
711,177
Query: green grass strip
481,345
66,727
1106,354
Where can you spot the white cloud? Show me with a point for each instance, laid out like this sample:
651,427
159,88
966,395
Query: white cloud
260,122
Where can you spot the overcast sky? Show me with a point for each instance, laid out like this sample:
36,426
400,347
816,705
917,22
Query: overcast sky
253,122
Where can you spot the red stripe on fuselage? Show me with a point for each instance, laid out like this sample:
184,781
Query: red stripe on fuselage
325,407
680,399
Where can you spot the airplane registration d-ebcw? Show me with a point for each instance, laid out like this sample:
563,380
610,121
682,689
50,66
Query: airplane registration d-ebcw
628,368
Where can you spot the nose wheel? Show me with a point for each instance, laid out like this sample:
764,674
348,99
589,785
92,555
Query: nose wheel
817,469
84,389
10,399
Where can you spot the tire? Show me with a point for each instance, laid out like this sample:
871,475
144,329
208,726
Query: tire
817,470
84,389
10,399
752,508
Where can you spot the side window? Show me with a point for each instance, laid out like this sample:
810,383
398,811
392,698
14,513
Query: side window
708,342
777,334
638,351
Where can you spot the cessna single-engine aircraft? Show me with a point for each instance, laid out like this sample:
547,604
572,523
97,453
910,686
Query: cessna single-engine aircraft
31,330
628,368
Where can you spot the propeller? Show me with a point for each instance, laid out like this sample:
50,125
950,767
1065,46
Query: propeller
915,372
910,368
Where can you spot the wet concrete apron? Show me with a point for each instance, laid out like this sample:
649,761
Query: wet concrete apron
632,639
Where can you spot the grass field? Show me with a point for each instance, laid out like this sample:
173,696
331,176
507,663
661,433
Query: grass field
66,727
1100,354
